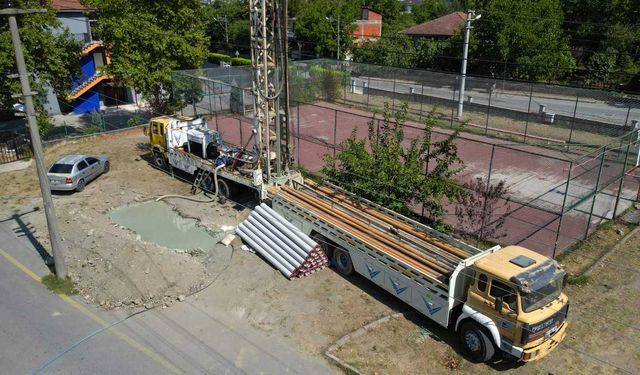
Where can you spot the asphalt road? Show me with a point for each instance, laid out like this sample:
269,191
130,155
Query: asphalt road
588,108
45,333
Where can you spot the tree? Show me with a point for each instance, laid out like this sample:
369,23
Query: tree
148,39
234,14
398,51
316,26
429,10
390,170
521,39
479,209
50,53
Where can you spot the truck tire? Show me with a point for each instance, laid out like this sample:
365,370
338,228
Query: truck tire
324,244
159,161
342,261
476,342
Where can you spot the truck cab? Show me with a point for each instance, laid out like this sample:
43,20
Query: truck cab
515,303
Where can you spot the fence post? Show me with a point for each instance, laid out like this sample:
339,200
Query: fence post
573,120
426,167
621,185
486,126
564,203
240,125
393,100
484,203
627,118
368,91
526,124
453,102
335,133
421,98
595,195
298,133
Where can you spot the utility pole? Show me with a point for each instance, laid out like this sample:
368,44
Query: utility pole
465,54
226,29
338,34
56,247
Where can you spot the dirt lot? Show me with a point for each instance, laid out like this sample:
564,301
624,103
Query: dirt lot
113,267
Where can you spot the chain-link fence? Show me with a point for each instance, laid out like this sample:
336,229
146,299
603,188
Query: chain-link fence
558,191
517,111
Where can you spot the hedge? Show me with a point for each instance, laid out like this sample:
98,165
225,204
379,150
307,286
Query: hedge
216,58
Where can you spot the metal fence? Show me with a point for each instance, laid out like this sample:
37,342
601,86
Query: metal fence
517,111
14,146
558,191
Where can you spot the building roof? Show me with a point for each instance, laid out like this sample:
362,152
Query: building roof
443,26
68,5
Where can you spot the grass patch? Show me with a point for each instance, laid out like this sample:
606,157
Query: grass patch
59,286
579,280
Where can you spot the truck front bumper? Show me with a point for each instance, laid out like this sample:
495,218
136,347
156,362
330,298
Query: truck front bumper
537,352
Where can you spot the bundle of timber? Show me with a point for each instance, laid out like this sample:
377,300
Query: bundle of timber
282,244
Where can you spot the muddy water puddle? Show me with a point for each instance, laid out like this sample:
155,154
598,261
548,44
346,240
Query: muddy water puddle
159,223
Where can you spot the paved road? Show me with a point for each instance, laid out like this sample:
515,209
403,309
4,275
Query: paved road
62,335
587,108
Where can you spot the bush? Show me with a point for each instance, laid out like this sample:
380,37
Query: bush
237,61
216,58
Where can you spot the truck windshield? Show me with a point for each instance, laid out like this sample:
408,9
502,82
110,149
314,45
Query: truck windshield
542,296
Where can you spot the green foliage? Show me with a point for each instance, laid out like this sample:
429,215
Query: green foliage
51,57
59,286
45,124
150,39
217,58
579,280
238,61
318,83
527,40
317,25
429,10
390,170
398,51
135,120
227,17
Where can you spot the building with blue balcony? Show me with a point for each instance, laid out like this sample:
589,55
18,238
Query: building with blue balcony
91,90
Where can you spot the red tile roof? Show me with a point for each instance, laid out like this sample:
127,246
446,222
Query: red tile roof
443,26
62,5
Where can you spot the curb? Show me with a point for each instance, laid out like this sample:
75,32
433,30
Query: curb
622,241
357,333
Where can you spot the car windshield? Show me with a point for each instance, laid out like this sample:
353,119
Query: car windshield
542,296
61,168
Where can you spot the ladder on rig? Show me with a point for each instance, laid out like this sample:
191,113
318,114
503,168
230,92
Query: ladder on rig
201,177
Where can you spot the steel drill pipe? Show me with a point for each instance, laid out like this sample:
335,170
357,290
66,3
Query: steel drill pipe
391,221
366,238
384,237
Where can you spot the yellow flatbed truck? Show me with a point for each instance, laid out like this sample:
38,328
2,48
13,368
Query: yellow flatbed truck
507,299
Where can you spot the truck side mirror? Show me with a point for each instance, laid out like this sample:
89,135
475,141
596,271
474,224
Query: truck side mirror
498,304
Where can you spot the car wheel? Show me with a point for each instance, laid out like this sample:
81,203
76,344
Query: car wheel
342,261
476,342
80,186
106,168
159,161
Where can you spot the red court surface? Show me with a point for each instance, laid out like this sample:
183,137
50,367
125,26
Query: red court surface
536,177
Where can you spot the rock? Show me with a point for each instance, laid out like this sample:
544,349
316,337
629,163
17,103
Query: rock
226,241
108,266
137,302
148,305
181,298
138,237
90,232
147,270
619,232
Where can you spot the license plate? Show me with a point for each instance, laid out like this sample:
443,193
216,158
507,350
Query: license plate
551,331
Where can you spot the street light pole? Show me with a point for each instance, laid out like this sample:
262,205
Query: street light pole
27,95
226,29
465,54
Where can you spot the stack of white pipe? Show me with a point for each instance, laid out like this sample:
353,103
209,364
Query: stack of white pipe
281,243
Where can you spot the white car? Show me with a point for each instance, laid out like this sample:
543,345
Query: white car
73,172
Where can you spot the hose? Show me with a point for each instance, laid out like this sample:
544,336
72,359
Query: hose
215,194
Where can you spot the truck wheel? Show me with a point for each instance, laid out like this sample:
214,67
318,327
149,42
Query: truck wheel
324,244
342,261
476,342
224,190
159,161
